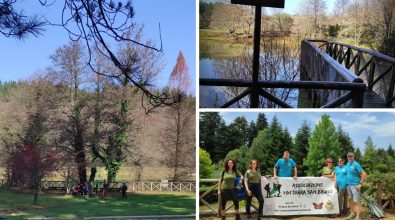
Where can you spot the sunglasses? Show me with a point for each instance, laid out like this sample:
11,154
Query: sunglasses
330,162
350,156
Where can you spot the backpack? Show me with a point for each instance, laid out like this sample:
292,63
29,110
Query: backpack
240,193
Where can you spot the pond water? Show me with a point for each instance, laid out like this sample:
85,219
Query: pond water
233,60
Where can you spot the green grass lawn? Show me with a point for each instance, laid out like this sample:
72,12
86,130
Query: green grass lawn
19,205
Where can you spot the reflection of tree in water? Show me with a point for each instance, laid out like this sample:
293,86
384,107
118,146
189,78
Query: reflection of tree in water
279,60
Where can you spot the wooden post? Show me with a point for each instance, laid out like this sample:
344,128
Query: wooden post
254,96
390,92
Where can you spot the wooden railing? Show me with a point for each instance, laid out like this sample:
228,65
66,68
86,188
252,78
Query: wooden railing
317,65
375,69
319,71
213,189
134,186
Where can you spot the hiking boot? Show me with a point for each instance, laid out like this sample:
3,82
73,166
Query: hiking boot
223,218
237,217
351,216
249,216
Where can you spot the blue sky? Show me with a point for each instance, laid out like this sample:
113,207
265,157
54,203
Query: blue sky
20,59
291,6
380,126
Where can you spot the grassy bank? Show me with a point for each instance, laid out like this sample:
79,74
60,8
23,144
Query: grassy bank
19,205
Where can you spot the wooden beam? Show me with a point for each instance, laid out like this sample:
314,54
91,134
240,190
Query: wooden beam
261,3
286,84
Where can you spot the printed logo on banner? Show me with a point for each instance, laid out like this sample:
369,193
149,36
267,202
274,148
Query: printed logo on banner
301,196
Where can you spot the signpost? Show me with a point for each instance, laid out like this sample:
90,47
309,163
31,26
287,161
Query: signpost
254,96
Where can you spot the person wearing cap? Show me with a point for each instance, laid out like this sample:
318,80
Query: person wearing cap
327,171
284,167
356,176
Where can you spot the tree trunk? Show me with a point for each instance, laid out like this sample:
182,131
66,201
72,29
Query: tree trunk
177,144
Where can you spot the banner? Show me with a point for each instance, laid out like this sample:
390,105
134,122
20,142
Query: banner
301,196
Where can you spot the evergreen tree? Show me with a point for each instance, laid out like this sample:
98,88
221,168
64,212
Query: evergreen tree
261,122
345,142
390,151
299,149
267,146
322,144
369,159
260,151
357,154
252,133
238,132
286,141
211,124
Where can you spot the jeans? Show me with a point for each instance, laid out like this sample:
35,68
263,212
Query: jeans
256,191
342,199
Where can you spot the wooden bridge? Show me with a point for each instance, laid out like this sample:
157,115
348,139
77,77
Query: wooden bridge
331,75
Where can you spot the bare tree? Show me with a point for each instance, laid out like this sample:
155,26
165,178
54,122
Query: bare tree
71,74
341,9
175,140
315,10
358,16
102,24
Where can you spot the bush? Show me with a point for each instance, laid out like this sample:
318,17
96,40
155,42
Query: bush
205,164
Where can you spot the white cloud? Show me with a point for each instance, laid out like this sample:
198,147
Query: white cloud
360,121
385,130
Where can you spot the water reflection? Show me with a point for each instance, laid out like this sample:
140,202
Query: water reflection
279,61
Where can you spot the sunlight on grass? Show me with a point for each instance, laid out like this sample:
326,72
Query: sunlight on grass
70,207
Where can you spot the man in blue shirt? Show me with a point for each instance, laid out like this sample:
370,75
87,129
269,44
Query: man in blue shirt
355,178
284,166
340,183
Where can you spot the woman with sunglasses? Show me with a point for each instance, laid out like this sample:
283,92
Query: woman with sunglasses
327,171
340,183
252,182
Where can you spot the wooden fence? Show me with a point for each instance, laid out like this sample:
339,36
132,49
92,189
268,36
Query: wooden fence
213,183
115,186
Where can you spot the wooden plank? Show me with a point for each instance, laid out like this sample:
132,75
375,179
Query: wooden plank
261,3
372,100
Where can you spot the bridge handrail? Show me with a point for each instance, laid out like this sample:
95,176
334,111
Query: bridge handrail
377,70
340,69
371,52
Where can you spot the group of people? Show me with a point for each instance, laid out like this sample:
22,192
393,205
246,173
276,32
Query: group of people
89,188
348,179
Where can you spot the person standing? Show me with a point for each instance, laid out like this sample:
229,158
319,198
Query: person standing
226,187
327,171
356,176
340,183
124,188
252,182
284,167
105,188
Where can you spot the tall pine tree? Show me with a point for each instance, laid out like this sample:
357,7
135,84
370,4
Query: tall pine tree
261,122
299,149
322,144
